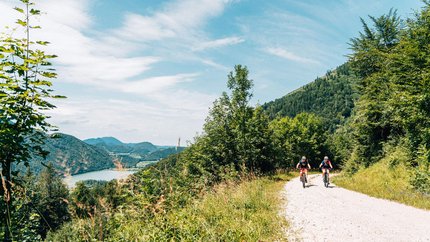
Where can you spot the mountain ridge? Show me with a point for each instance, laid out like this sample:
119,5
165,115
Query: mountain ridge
71,155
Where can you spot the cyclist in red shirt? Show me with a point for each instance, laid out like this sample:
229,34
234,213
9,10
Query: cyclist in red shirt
303,165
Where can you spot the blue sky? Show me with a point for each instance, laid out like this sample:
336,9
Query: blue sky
149,69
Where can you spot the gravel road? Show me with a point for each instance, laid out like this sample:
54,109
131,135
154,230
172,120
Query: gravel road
331,214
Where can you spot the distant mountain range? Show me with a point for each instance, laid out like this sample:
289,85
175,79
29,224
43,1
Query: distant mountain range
70,155
129,154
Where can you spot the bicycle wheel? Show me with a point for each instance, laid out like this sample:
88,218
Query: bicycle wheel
326,179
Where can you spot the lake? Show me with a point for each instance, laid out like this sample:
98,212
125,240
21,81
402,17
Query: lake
103,175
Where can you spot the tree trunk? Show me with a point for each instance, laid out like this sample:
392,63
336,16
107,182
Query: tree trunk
6,192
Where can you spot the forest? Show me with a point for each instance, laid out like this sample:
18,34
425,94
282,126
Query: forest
374,109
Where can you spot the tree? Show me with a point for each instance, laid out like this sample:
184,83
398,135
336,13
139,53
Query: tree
237,134
52,200
331,97
240,87
371,121
393,109
25,87
303,135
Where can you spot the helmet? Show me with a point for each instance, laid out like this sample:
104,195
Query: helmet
325,157
303,157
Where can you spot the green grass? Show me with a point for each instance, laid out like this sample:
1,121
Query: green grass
247,211
241,211
384,181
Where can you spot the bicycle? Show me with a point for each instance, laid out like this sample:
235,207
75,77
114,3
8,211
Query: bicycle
326,178
303,177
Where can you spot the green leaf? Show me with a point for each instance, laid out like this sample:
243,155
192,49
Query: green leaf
59,97
34,12
19,9
20,22
42,42
49,74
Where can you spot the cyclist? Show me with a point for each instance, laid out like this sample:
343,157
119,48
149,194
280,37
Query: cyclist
326,166
304,166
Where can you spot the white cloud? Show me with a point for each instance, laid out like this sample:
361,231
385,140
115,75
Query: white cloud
215,65
156,84
289,55
117,62
178,19
218,43
180,115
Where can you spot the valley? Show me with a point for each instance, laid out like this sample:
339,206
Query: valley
71,156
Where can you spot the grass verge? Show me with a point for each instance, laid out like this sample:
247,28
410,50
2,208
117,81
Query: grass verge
239,211
384,181
247,211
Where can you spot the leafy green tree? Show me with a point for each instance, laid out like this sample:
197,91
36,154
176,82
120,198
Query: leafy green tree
409,70
371,121
303,135
52,200
393,109
26,218
236,134
241,112
262,152
25,87
219,140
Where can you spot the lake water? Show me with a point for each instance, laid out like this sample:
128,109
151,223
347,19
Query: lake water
103,175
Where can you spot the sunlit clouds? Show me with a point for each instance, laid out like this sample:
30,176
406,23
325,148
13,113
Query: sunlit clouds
154,74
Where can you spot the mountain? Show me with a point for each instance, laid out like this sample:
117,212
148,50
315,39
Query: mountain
103,140
331,97
162,153
143,148
130,154
113,145
70,155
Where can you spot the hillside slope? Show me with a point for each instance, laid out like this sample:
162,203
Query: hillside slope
113,145
103,140
69,155
331,97
130,154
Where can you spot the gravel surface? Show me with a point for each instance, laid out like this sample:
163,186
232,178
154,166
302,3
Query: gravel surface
331,214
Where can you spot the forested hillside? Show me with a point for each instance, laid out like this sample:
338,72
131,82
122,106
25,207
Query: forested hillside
113,145
331,97
69,155
130,154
